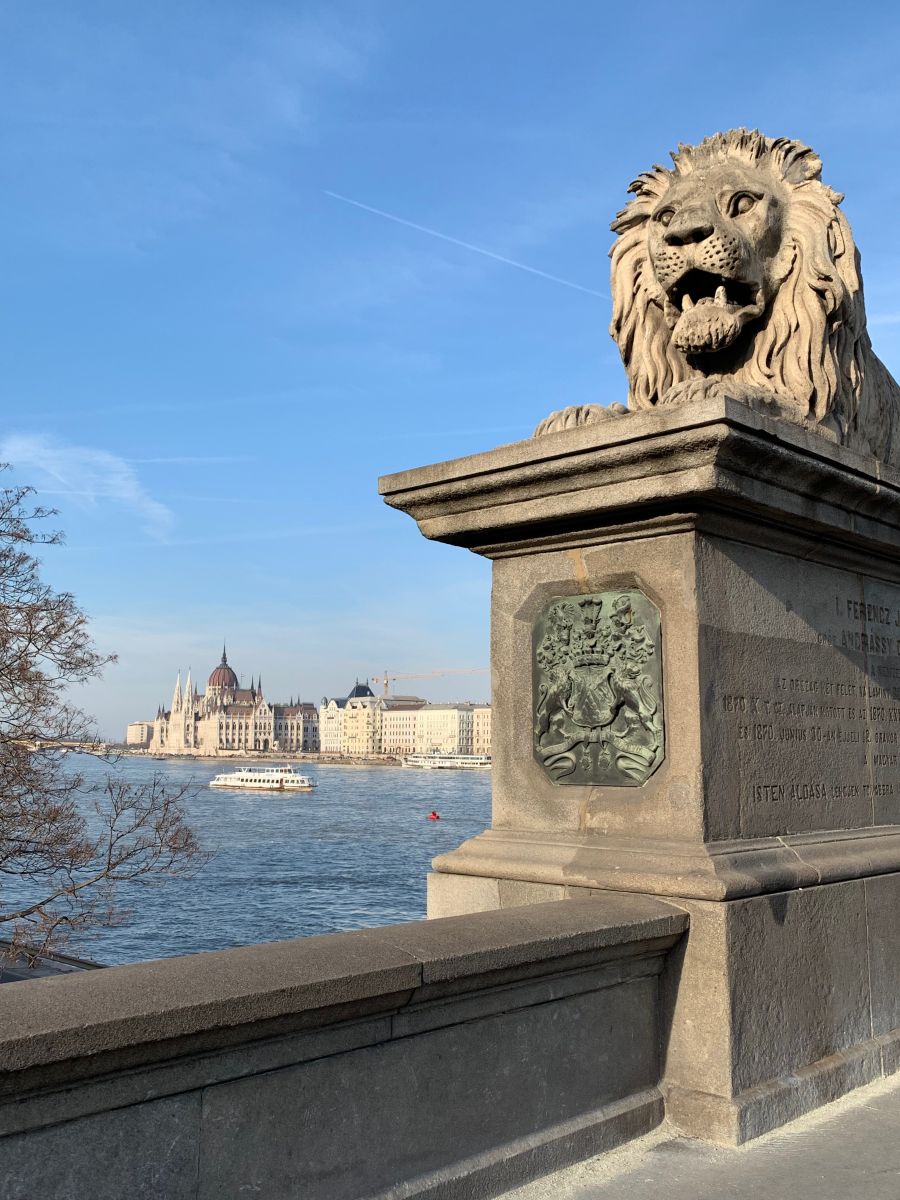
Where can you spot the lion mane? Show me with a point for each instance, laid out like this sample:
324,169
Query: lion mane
808,352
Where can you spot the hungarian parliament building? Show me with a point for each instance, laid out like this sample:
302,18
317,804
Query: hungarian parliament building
229,719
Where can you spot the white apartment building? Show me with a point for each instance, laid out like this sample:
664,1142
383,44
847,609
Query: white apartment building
331,724
139,733
398,724
481,729
444,729
331,719
361,736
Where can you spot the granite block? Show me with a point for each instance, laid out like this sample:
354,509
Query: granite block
423,1103
883,924
144,1152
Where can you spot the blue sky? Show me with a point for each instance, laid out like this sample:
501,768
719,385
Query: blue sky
207,357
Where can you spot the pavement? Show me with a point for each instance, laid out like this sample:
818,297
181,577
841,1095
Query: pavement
849,1150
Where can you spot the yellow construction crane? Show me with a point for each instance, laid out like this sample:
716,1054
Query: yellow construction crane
388,677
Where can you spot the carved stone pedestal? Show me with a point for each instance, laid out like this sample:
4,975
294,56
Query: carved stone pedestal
696,694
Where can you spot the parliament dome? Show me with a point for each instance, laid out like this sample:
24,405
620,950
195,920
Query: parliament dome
223,677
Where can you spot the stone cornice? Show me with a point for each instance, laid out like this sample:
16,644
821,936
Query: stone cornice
676,869
670,465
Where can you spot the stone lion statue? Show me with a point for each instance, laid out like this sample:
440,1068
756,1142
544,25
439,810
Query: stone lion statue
735,272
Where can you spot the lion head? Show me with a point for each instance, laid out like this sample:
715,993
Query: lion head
738,265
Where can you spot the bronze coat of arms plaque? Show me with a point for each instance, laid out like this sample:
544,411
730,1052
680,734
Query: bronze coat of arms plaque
598,703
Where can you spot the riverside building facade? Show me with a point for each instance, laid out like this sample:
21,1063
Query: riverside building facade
481,729
398,724
363,725
444,729
139,733
227,718
332,720
360,736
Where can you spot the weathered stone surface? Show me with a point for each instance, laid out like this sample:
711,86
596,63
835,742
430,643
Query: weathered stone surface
883,929
434,1096
158,1010
483,869
514,892
514,942
20,1113
144,1152
783,977
793,630
593,484
458,895
775,1004
800,667
457,1093
523,796
120,1016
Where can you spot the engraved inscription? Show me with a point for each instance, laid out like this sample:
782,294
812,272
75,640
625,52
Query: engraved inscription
598,712
808,714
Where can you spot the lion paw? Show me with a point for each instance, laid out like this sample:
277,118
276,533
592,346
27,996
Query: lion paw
692,389
768,402
577,415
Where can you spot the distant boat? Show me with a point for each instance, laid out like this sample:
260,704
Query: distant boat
265,779
449,762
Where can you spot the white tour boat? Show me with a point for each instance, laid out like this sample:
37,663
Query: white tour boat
448,762
265,779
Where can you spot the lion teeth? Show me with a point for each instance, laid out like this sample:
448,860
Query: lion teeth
686,302
721,297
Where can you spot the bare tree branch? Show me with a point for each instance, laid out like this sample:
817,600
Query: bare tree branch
56,875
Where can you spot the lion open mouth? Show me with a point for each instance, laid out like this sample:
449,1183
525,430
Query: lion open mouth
703,287
708,311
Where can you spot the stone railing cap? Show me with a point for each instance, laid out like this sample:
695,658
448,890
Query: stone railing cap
48,1020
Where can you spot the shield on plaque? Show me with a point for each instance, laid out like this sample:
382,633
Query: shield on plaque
598,689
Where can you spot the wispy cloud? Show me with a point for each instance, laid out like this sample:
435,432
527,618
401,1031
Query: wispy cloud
92,476
892,318
454,241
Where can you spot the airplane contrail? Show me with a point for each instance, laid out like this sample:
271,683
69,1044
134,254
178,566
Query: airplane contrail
444,237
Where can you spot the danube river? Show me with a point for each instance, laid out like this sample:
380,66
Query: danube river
353,853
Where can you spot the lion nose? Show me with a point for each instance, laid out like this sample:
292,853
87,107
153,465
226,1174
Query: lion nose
690,225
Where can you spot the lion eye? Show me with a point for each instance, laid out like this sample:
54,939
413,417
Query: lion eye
665,216
740,203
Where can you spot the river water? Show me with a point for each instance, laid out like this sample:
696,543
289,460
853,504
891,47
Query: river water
353,853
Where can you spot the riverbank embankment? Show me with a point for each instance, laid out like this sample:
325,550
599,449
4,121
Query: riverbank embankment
319,760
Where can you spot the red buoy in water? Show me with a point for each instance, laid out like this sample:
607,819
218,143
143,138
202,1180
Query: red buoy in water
433,816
